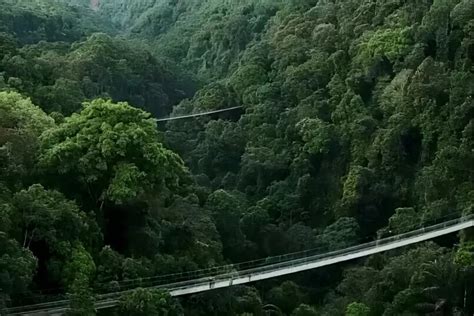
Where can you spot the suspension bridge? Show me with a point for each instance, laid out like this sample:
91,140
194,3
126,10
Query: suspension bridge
230,275
187,116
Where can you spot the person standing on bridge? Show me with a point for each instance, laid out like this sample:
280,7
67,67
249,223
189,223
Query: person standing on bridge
211,282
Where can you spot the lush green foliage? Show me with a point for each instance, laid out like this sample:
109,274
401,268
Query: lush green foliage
113,152
32,21
357,309
60,76
357,122
21,124
143,302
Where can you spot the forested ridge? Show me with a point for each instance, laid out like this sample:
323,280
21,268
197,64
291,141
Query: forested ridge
357,122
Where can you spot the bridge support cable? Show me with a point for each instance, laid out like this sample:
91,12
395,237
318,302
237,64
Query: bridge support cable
167,119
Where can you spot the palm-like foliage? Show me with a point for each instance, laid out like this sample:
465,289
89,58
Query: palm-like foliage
439,284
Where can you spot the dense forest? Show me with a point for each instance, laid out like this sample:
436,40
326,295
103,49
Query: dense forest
356,122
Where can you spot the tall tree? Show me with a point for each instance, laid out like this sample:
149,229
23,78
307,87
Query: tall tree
112,152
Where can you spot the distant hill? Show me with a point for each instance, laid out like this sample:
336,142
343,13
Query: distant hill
50,20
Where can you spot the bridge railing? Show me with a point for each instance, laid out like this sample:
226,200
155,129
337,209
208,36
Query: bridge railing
202,277
311,254
310,259
361,247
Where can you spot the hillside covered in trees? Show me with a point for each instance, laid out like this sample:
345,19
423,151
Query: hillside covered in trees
356,122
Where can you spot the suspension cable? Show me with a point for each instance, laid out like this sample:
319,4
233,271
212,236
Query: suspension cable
167,119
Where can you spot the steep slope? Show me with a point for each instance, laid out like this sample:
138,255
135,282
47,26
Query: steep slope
357,122
357,114
206,37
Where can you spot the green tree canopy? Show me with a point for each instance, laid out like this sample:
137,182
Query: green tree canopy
21,124
142,302
357,309
112,151
40,215
17,268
